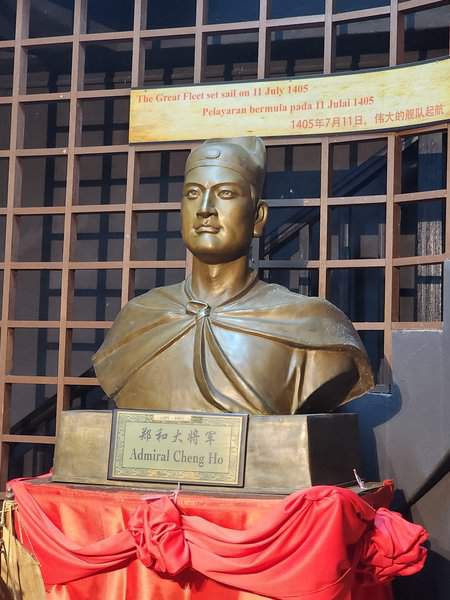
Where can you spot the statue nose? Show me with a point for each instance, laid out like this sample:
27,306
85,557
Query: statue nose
207,208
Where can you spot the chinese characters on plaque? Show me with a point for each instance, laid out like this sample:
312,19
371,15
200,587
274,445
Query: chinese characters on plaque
178,447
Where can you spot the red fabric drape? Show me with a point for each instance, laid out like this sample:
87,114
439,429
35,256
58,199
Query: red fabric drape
324,543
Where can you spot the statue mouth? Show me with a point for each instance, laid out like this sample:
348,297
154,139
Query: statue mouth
207,229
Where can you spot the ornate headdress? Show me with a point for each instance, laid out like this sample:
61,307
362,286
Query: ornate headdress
245,155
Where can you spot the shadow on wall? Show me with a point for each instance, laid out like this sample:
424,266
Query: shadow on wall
373,410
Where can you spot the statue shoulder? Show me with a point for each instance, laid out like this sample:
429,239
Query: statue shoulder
127,341
166,299
165,295
145,309
334,346
280,296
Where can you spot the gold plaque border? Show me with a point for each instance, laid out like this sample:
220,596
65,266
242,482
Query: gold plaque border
235,475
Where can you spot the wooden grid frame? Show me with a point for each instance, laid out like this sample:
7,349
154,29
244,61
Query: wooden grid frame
395,10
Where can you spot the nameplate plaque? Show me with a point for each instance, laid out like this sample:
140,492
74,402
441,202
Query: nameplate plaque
173,447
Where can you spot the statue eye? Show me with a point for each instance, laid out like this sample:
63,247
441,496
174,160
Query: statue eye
226,194
192,194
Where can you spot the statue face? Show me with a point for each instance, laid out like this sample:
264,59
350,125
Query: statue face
219,215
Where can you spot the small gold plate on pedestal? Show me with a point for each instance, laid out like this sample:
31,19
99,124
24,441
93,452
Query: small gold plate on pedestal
196,448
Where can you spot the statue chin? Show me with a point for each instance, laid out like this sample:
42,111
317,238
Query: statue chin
215,254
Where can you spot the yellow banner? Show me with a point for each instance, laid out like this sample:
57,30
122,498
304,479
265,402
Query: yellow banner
376,100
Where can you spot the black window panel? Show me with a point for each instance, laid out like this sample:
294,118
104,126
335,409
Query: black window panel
35,351
362,44
293,8
51,18
43,181
345,5
161,176
28,460
37,295
291,233
7,19
1,287
358,292
374,344
358,168
46,124
2,238
169,61
230,11
296,51
6,71
170,13
102,179
420,291
4,176
39,238
104,15
49,69
96,294
292,172
89,397
99,237
157,236
301,281
5,129
357,231
147,279
105,121
84,344
231,56
107,65
424,159
32,409
422,228
427,33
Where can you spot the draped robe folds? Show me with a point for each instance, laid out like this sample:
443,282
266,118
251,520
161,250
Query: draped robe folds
265,351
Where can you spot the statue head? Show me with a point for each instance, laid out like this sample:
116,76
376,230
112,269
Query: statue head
221,210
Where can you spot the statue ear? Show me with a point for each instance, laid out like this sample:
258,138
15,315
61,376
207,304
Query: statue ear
262,212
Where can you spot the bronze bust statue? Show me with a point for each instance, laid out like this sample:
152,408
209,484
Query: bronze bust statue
223,340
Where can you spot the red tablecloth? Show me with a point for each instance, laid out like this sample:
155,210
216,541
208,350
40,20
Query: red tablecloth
89,518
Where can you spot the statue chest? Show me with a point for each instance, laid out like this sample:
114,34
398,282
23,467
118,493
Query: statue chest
232,363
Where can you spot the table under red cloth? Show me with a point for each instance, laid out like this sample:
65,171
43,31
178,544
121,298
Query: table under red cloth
86,516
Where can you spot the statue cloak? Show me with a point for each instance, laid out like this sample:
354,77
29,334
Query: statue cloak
265,351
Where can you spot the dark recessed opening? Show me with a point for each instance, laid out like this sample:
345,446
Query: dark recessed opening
296,51
231,56
171,13
169,61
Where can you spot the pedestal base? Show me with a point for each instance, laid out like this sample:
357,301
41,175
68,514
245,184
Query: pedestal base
284,453
87,516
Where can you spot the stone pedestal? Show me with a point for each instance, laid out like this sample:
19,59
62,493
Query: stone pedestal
284,453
